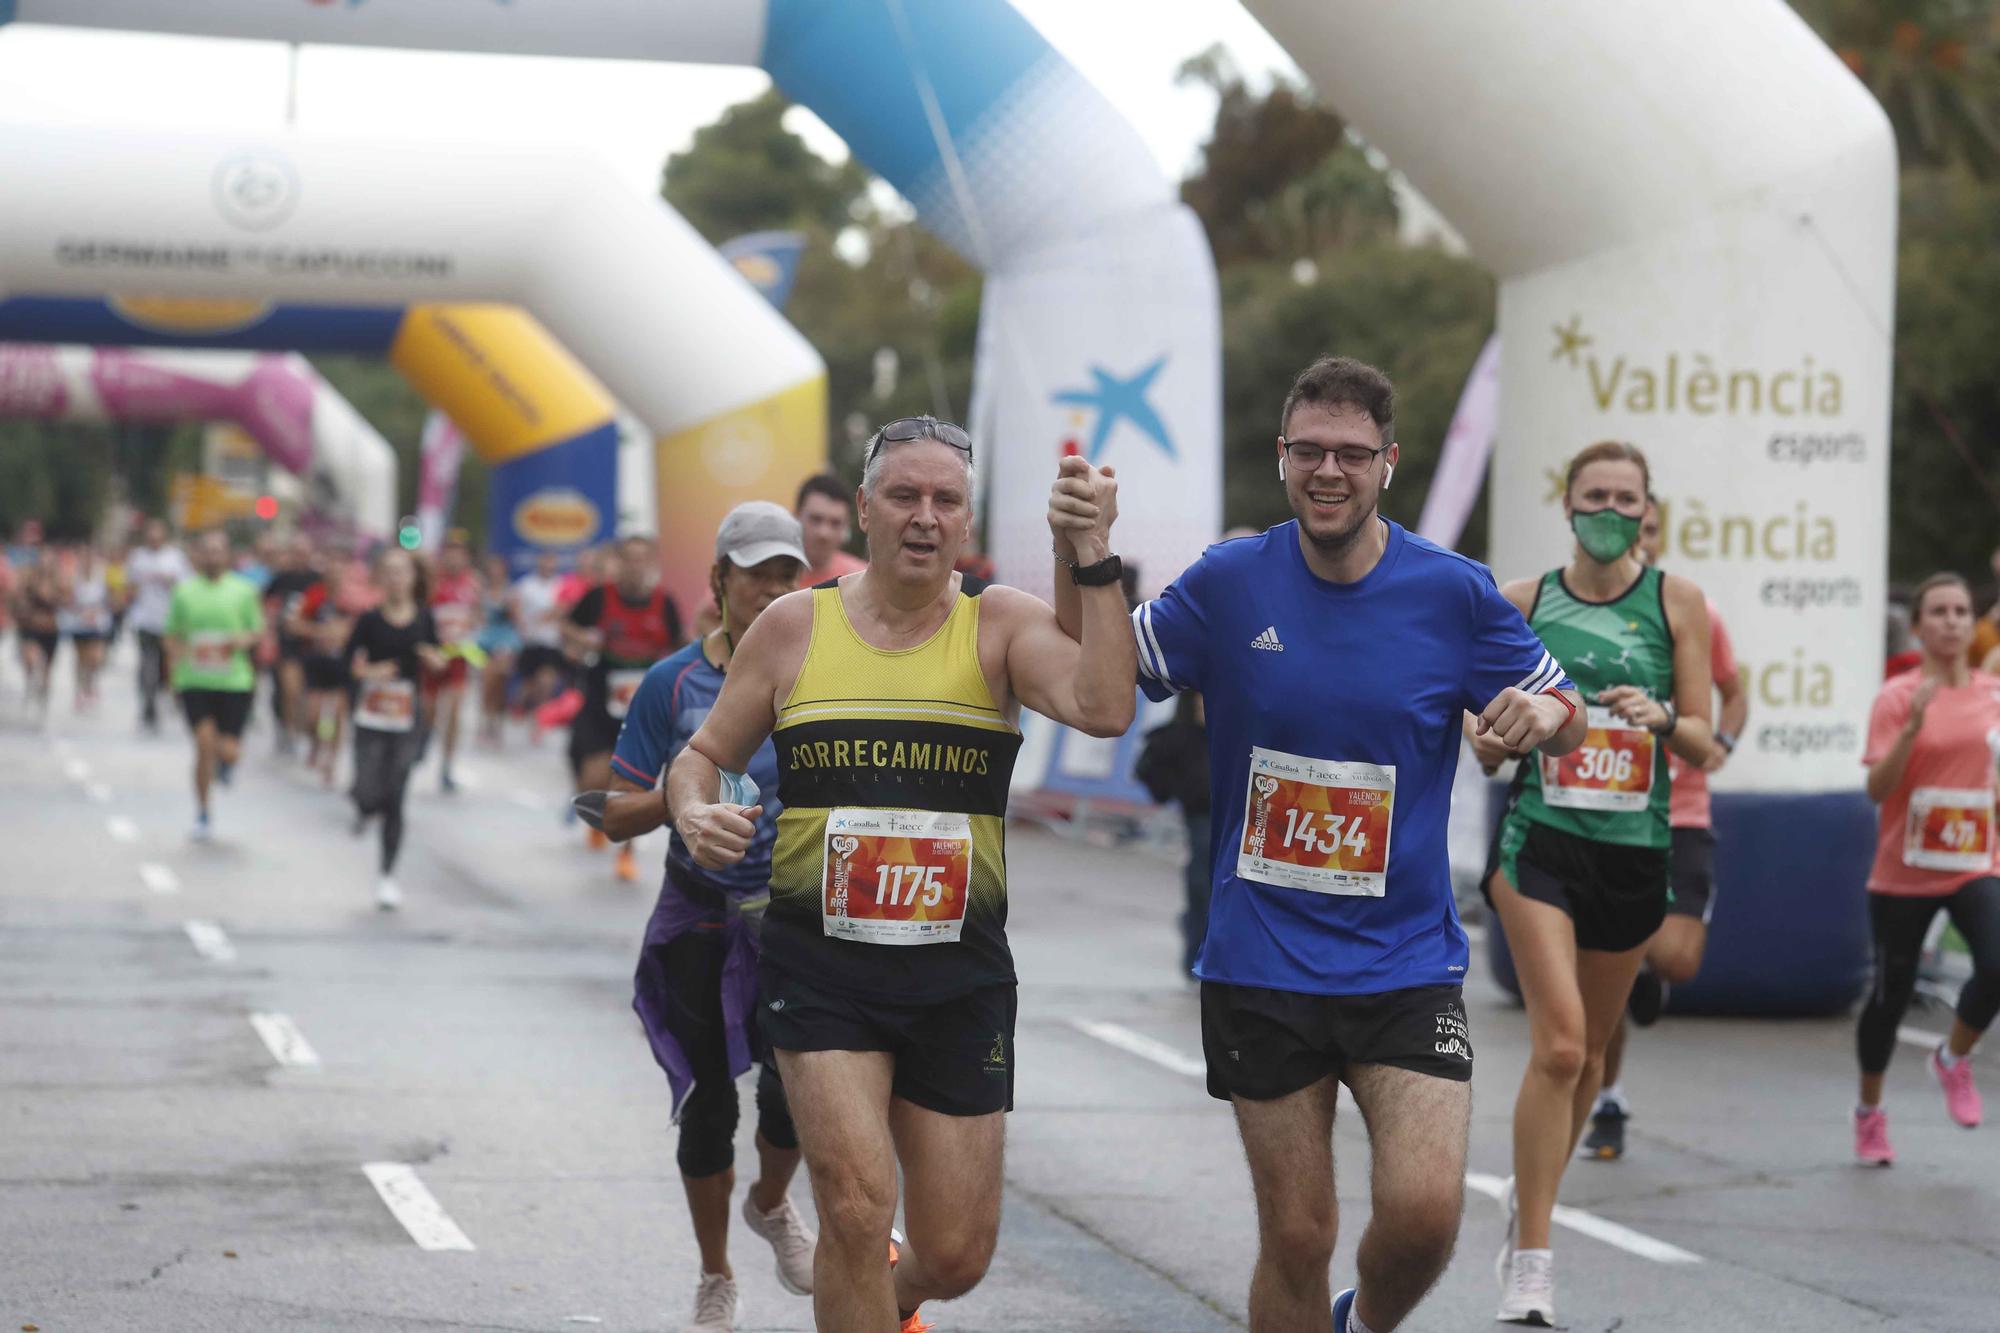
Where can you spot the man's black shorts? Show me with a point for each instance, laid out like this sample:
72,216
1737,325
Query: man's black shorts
1693,874
228,709
536,657
1615,896
1262,1044
955,1056
325,672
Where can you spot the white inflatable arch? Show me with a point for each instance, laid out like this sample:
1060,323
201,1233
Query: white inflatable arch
1099,330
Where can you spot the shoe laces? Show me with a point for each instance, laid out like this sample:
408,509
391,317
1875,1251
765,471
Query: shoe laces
788,1229
1534,1274
715,1301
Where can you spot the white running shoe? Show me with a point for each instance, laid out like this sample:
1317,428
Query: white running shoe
790,1239
716,1305
1529,1294
387,896
202,831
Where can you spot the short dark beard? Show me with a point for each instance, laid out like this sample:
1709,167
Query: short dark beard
1340,544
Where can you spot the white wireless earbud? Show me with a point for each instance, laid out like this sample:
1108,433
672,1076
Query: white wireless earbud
1388,475
1281,469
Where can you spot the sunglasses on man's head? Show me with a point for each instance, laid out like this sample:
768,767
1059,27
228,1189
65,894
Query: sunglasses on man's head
905,429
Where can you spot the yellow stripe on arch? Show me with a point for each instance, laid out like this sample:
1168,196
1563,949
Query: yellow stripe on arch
496,372
760,451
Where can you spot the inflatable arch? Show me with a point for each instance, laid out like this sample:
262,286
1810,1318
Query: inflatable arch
281,402
1692,212
376,240
1099,330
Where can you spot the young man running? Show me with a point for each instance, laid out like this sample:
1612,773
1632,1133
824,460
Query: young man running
887,987
213,621
696,986
1674,954
1334,655
152,571
618,629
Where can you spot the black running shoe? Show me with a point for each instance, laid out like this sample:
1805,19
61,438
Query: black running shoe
1606,1140
1648,998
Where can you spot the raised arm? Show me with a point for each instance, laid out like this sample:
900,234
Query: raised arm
1535,711
1083,679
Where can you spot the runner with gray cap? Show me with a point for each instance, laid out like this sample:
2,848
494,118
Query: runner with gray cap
695,991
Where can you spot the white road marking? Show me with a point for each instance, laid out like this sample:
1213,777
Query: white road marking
1576,1219
159,878
97,792
1918,1037
1134,1043
121,828
76,770
210,941
288,1045
1598,1228
428,1224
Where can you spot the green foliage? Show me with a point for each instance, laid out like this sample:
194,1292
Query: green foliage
1942,512
1934,65
747,172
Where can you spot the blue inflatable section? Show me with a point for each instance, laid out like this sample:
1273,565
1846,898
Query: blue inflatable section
852,63
562,498
1789,937
278,328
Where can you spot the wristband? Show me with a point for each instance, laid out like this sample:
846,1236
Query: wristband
1727,740
1563,699
1666,728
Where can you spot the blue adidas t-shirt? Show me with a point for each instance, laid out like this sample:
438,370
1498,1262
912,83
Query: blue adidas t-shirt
1333,732
671,704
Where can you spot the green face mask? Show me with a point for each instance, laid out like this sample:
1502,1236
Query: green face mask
1605,533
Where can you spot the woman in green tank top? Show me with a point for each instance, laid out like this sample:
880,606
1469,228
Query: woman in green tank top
1578,878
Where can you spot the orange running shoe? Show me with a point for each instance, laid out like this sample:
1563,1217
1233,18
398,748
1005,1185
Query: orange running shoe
627,867
595,840
915,1324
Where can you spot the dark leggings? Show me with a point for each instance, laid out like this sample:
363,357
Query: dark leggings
709,1115
152,674
1899,926
382,764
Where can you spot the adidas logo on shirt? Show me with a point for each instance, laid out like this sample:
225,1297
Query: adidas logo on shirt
1268,641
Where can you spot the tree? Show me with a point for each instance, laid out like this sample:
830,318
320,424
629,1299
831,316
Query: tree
747,172
1934,65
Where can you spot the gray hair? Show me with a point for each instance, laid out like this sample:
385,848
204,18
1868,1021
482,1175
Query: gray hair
871,472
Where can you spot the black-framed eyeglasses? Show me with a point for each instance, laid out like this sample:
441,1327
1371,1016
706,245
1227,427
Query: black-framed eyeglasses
1354,459
905,429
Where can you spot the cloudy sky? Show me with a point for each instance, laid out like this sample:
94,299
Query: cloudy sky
634,113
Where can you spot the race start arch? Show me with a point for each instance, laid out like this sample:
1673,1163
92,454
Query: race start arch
279,401
1691,209
1099,329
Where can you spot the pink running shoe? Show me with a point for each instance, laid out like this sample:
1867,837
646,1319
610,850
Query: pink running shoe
1961,1099
1871,1138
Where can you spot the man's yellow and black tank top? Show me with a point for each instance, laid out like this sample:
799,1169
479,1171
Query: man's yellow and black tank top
908,729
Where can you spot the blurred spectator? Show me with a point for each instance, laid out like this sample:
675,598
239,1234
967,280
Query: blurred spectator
1173,766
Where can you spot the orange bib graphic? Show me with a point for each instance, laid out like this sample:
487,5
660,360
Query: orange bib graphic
1949,828
1316,824
1611,770
896,876
386,705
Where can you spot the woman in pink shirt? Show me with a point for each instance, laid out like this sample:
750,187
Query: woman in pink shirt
1933,748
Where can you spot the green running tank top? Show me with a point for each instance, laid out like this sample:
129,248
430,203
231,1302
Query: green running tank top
1614,787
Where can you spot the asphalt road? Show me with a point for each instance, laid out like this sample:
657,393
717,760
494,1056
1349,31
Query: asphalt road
161,1169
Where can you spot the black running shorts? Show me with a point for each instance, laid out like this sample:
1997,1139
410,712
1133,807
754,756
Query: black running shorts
953,1056
1262,1044
228,709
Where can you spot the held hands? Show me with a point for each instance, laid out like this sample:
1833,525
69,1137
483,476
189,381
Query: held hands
1517,721
1635,706
717,836
1083,504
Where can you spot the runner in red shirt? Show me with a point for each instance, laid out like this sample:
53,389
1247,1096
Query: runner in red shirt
1933,746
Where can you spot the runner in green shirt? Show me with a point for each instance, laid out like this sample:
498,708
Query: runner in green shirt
213,622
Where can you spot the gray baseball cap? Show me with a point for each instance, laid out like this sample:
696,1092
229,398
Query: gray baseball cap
756,531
